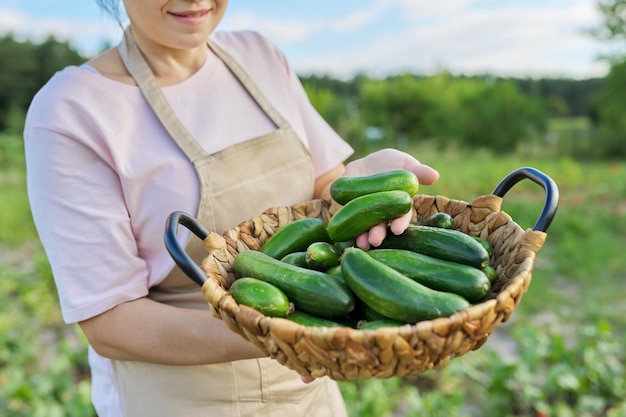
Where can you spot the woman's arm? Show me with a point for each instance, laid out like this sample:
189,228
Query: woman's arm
145,330
324,181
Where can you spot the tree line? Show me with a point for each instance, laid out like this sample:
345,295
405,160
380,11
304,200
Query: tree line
24,68
481,111
485,111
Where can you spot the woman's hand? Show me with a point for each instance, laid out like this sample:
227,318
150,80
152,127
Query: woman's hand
386,160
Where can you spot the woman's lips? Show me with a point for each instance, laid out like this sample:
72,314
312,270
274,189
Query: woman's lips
190,17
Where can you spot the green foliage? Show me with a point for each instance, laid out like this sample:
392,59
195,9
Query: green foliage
16,226
25,67
470,112
331,107
613,26
562,97
557,371
394,396
610,140
43,368
11,155
553,371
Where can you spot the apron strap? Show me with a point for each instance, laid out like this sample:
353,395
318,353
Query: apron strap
143,76
249,85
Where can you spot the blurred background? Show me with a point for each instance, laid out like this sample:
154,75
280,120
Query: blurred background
475,88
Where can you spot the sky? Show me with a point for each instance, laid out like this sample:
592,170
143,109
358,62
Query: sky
521,38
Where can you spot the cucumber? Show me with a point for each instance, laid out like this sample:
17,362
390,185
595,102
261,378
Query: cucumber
335,272
446,244
341,246
321,256
394,295
261,296
377,324
344,189
363,312
491,273
311,291
442,220
469,282
360,214
296,258
295,236
310,320
485,243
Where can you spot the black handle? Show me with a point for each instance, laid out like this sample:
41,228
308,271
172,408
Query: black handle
181,258
552,193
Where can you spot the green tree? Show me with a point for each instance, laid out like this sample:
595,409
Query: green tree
610,138
613,26
25,67
610,109
473,112
499,117
399,105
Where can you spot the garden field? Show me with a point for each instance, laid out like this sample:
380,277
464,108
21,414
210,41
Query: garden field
562,353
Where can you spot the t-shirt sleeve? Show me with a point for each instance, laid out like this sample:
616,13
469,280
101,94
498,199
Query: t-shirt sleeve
78,209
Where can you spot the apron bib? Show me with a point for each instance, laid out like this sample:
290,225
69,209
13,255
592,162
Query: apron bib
236,184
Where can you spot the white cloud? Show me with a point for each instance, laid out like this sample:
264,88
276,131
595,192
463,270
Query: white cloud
521,40
425,10
463,36
300,30
280,30
359,18
86,35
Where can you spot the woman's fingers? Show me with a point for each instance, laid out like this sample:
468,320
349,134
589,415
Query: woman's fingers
376,235
307,379
399,225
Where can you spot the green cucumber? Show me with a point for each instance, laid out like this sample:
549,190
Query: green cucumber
446,244
341,246
344,189
464,280
261,296
296,258
321,256
295,236
377,324
491,273
394,295
485,243
360,214
442,220
335,272
311,320
363,312
311,291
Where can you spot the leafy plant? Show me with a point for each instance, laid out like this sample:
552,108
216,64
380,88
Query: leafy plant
43,369
555,373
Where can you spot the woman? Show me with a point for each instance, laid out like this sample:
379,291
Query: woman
168,121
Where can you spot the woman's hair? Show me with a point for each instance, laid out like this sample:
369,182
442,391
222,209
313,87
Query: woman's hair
112,8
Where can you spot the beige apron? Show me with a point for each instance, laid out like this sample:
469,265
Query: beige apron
236,184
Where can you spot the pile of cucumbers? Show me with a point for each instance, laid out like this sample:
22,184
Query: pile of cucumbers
310,271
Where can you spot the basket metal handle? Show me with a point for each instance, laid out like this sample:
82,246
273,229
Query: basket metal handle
551,202
181,258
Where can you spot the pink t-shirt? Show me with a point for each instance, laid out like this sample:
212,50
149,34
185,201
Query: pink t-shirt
103,175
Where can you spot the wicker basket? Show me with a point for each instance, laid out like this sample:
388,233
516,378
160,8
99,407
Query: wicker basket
346,353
